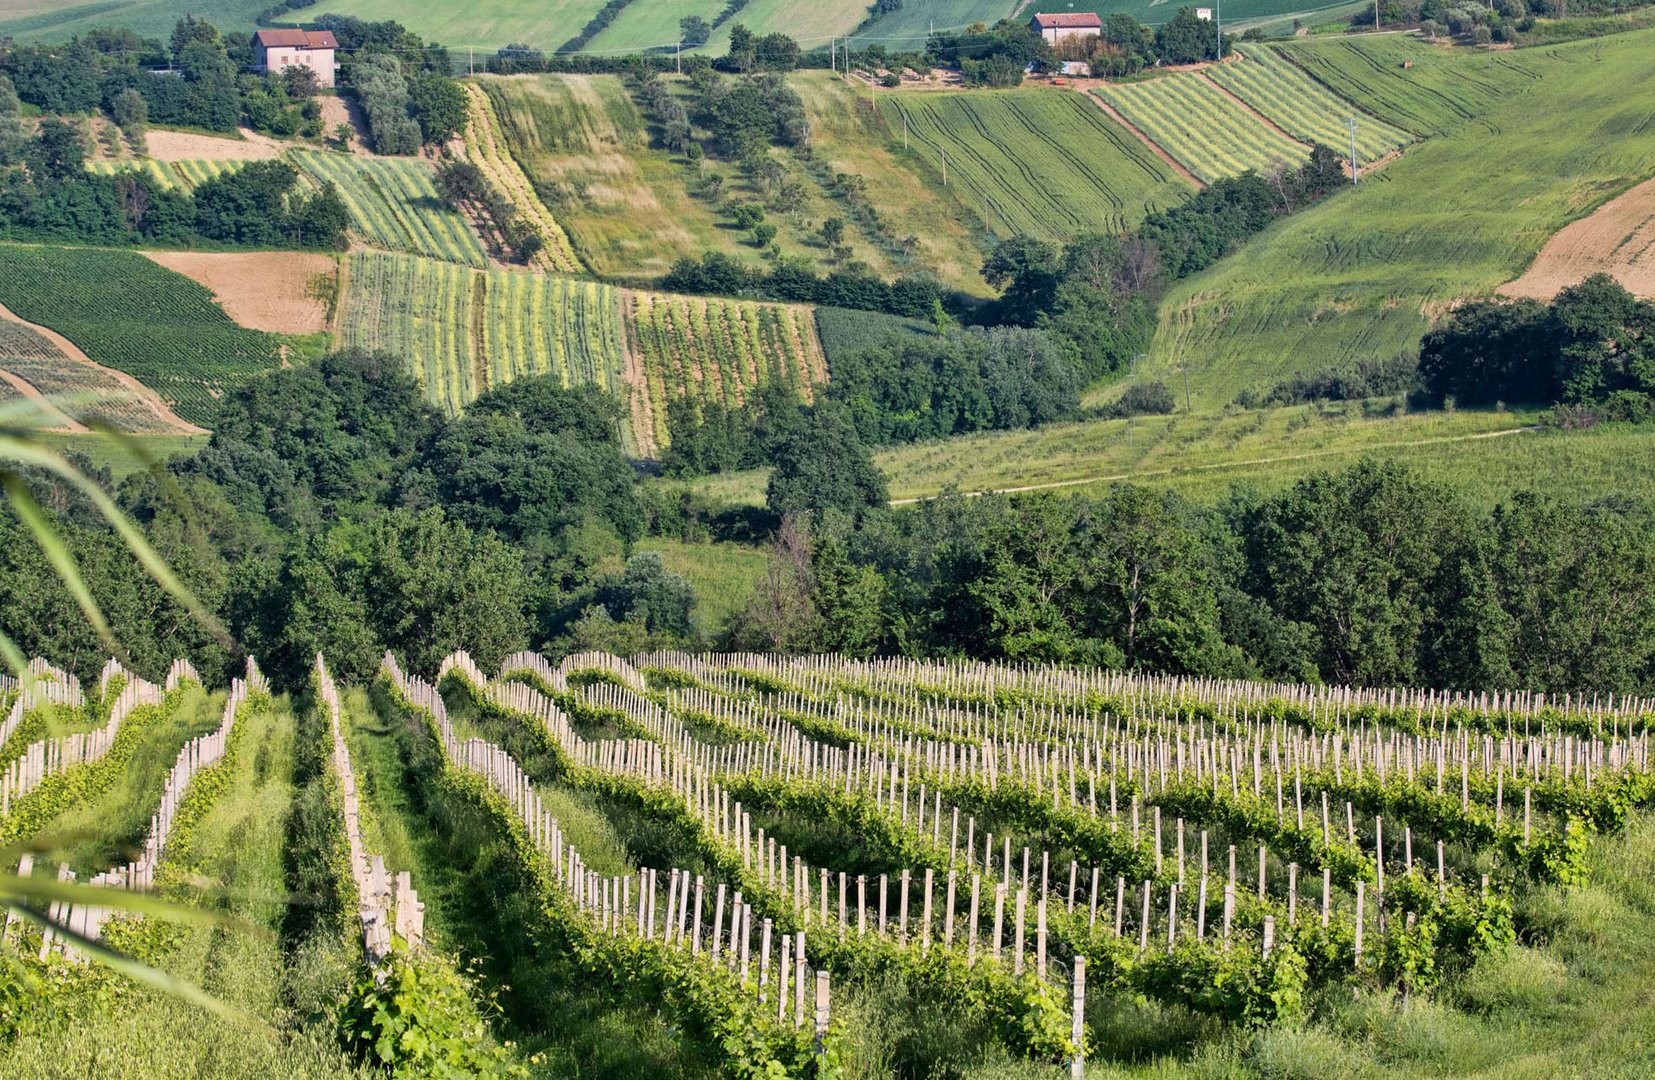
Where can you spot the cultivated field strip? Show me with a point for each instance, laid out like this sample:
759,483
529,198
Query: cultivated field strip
167,174
1046,164
1411,84
394,206
78,389
1281,91
1200,126
485,146
713,349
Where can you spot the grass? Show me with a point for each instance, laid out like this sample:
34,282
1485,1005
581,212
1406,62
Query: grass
653,24
237,848
110,828
1205,455
117,458
723,575
1038,161
53,20
128,313
1363,274
544,24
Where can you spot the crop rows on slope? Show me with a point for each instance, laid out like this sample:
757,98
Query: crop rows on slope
1304,108
718,350
1202,127
167,174
1037,162
1415,86
80,390
128,313
394,205
485,146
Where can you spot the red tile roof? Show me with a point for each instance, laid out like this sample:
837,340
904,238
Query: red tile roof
1069,20
303,39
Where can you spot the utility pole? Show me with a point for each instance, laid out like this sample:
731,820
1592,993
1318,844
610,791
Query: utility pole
833,55
678,58
471,59
1353,151
944,152
1376,16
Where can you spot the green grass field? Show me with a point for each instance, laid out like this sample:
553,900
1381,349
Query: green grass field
1039,161
1487,455
1207,131
394,206
1363,274
723,575
653,24
1442,87
130,314
1304,108
53,20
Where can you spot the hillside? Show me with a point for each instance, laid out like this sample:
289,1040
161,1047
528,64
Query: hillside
1363,274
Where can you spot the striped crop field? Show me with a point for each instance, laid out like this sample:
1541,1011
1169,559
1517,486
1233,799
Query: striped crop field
1304,108
1412,84
167,174
1207,131
486,147
78,389
394,205
463,331
1035,161
537,324
713,350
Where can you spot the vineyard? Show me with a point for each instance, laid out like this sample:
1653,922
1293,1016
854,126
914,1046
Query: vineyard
1034,162
127,313
761,851
1206,130
394,205
485,147
80,390
167,174
1280,90
464,331
713,350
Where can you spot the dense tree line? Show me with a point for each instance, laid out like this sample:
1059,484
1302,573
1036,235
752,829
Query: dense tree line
46,193
333,509
1369,576
1593,345
917,295
196,79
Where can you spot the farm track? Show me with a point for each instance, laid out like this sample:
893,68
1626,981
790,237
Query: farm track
1618,238
1217,465
142,395
1154,147
62,421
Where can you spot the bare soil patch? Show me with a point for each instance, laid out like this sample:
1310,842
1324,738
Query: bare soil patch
1618,239
277,292
190,146
338,110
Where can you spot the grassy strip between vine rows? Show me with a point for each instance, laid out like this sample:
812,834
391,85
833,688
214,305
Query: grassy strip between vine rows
1028,1016
708,1003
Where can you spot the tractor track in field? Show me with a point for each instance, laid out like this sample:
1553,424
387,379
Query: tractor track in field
1214,466
1154,147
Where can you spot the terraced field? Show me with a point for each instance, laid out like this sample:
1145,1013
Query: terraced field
1035,162
715,350
1207,131
394,206
1282,92
1412,84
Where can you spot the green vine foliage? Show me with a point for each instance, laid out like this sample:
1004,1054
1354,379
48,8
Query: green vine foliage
420,1018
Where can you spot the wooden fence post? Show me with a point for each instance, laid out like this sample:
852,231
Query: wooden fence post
1077,1032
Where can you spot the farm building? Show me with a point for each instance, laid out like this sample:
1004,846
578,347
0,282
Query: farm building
1063,26
274,50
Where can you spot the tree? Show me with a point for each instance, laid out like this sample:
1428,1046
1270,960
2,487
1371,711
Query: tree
213,100
439,105
823,465
1026,270
130,113
12,135
694,30
763,234
191,31
649,594
833,231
